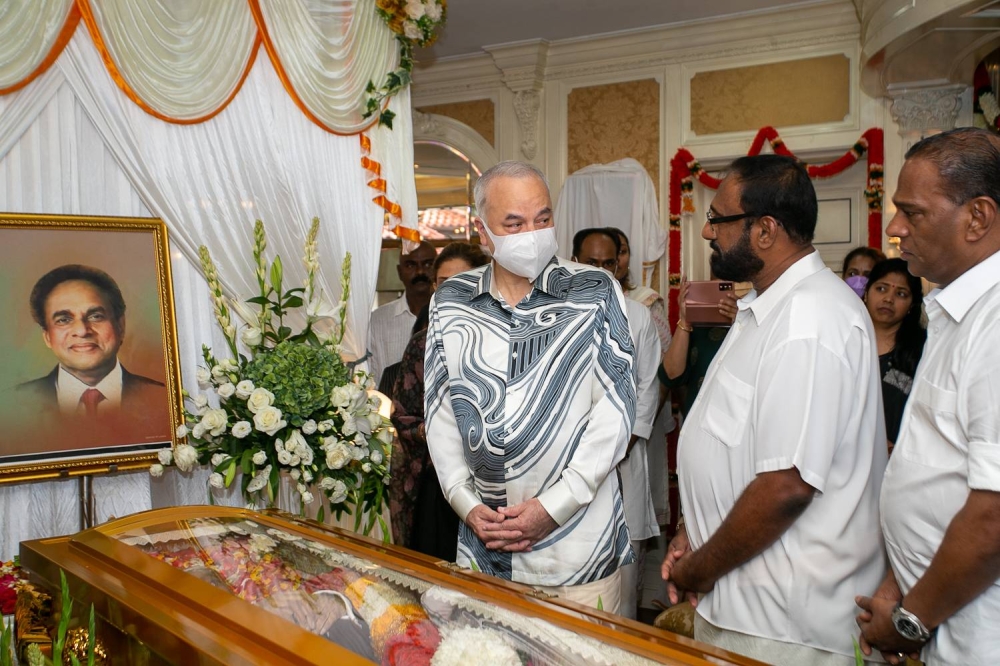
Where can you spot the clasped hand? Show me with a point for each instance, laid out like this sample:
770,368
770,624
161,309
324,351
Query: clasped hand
511,529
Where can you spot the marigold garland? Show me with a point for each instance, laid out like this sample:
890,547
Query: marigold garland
685,168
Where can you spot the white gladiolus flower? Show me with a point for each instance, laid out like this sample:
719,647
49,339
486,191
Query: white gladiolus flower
166,456
268,420
374,421
350,425
226,390
320,309
214,421
230,331
252,336
244,389
260,398
204,376
216,481
309,427
260,480
260,457
156,470
185,457
241,429
376,457
339,492
182,431
337,456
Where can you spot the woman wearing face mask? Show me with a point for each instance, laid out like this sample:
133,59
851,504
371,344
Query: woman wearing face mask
857,265
894,299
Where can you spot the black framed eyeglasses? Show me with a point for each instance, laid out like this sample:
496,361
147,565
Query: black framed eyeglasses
722,219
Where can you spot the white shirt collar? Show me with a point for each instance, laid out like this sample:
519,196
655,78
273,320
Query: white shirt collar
401,307
69,389
762,304
958,297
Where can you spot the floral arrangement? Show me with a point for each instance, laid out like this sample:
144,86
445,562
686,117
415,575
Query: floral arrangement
984,99
11,580
414,23
289,404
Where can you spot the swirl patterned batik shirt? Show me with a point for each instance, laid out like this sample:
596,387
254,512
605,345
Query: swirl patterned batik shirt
534,400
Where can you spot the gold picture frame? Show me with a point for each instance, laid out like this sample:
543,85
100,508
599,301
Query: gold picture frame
69,330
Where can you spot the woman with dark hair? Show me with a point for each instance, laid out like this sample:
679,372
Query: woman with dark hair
894,299
421,517
857,265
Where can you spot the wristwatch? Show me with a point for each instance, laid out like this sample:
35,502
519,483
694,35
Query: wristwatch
909,625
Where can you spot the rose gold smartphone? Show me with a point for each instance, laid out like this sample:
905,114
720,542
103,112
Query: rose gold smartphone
702,303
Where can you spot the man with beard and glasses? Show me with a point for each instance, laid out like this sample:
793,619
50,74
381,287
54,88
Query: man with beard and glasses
781,457
529,398
392,324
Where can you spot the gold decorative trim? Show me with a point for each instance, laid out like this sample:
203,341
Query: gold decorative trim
66,463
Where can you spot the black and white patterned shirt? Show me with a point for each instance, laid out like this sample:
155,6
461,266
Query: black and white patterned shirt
534,400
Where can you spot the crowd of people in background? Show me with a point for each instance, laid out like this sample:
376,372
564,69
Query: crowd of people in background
522,450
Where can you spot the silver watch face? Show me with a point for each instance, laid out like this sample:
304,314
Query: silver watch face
907,627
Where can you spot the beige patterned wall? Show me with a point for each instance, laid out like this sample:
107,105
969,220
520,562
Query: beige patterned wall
781,94
477,114
614,121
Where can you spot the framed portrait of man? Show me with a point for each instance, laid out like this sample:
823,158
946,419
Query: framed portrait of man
89,374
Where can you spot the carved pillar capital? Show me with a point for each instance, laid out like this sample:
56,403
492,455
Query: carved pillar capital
927,110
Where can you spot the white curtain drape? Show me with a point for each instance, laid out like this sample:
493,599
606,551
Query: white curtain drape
72,143
619,194
183,58
28,30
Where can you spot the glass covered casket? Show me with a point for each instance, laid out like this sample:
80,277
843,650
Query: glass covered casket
213,585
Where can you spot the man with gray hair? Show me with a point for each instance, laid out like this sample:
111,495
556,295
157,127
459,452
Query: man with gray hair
530,399
941,494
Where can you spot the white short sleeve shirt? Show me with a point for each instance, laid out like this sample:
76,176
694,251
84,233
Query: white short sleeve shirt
949,444
795,384
390,329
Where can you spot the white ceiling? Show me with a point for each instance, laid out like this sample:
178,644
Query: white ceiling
473,24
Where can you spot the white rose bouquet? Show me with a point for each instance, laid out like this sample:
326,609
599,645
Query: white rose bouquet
290,404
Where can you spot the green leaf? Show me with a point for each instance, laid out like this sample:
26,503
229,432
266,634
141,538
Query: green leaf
91,637
475,567
392,81
385,118
600,603
321,514
859,658
284,332
259,300
276,275
230,472
370,88
247,462
404,77
293,302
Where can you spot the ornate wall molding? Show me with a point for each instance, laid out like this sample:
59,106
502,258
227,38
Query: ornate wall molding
432,127
526,106
926,110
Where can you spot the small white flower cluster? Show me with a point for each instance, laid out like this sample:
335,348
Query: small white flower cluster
475,645
416,10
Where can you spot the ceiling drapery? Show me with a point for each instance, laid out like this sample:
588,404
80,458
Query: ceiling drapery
185,60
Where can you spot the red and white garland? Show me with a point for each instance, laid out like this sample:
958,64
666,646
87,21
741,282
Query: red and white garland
684,168
984,98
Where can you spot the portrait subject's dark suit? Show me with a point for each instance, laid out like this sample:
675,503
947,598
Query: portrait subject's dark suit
33,407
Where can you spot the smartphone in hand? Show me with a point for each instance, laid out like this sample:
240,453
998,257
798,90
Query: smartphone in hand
702,302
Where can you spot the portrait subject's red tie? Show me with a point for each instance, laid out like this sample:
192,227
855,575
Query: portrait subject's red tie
90,399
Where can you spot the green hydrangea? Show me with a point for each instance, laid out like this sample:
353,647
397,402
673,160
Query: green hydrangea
300,376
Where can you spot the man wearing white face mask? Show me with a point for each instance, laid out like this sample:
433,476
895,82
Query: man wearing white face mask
530,398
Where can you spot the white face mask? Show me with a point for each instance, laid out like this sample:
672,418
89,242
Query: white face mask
526,253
